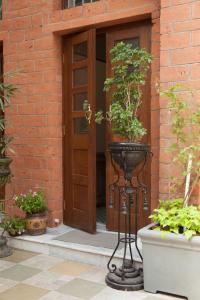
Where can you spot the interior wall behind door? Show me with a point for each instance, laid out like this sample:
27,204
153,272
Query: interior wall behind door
100,103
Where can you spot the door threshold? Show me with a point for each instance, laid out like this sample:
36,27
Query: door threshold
101,227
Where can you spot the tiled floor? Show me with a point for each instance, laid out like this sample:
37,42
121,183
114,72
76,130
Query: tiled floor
26,275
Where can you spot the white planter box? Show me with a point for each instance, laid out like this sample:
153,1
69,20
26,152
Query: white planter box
171,264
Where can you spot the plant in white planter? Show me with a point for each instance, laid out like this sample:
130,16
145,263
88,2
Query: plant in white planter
171,246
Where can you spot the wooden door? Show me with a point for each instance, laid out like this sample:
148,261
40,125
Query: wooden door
79,139
138,36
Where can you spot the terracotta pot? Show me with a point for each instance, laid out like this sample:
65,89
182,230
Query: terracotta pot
15,234
36,223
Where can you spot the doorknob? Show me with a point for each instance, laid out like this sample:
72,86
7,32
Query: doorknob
87,110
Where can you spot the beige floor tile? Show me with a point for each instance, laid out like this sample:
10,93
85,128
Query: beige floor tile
71,268
81,288
95,274
42,262
19,272
20,255
5,265
23,292
57,296
6,284
48,280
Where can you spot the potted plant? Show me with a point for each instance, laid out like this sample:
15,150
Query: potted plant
35,207
15,226
129,66
7,90
171,246
129,69
5,161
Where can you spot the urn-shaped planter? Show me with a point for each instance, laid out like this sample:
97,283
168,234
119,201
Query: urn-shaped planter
5,250
171,264
128,155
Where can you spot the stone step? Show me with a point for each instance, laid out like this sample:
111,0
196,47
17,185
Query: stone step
48,244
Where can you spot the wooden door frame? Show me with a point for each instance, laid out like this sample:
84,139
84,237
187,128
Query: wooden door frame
114,27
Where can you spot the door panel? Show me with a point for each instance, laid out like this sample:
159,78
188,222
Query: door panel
80,139
138,36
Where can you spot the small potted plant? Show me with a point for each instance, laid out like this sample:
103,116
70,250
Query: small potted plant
15,226
35,207
171,246
129,66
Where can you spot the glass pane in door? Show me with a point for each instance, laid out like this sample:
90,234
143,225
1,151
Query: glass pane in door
80,77
80,126
80,51
78,101
135,42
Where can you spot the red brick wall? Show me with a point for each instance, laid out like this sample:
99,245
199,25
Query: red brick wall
35,117
180,62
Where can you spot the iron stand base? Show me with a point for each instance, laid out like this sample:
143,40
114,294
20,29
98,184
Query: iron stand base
132,281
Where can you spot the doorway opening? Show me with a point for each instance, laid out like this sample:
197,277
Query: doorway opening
100,130
84,147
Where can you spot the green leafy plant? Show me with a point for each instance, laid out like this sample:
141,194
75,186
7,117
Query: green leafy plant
5,145
32,202
173,216
7,90
13,225
176,215
129,66
186,147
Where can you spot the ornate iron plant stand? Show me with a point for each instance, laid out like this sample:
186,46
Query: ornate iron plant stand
127,156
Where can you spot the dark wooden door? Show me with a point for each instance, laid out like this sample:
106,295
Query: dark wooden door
138,36
79,138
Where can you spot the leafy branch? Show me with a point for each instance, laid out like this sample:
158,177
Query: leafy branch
186,148
129,67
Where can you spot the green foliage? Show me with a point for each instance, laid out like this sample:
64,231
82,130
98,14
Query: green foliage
129,66
5,144
32,202
99,117
13,225
186,130
170,204
7,90
172,216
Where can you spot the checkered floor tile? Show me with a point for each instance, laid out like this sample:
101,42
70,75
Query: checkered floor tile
26,275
